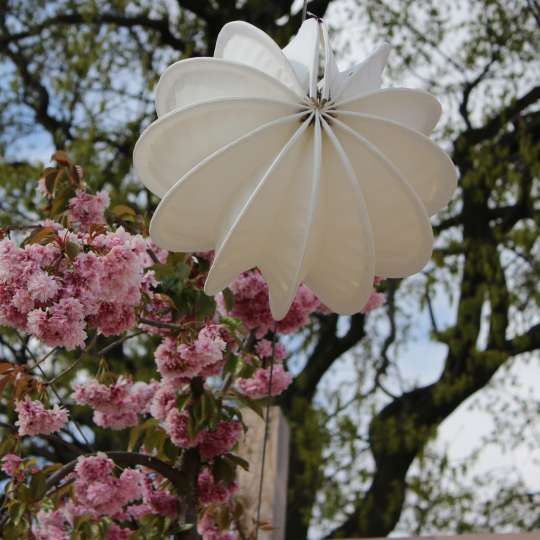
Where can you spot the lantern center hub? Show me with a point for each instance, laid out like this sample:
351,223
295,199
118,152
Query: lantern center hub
320,104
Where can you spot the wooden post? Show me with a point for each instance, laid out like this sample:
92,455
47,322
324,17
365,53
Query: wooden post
276,470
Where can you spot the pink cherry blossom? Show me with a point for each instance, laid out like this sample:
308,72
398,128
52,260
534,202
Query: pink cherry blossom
176,425
375,300
122,275
34,419
114,319
116,420
178,363
159,501
304,304
138,511
61,325
12,466
116,406
42,287
212,492
209,530
115,532
102,397
163,401
94,468
99,492
51,526
220,440
172,365
252,306
264,349
86,209
257,386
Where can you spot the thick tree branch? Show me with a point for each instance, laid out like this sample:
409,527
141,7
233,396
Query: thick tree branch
328,349
497,122
523,343
36,96
160,26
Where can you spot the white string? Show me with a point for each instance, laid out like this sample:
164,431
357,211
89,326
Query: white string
266,432
269,397
304,10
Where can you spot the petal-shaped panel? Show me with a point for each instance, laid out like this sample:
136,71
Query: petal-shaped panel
281,211
176,142
298,224
332,78
402,234
190,216
342,273
363,78
202,79
414,109
425,167
303,55
242,42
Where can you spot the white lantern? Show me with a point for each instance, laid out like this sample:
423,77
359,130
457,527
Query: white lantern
324,182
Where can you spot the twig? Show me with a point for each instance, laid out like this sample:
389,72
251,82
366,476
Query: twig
118,342
54,391
160,324
52,351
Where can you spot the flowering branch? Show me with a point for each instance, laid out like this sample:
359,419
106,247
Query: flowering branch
127,459
91,270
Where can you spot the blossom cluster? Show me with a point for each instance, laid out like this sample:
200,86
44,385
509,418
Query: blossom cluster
211,443
212,491
252,306
57,297
265,381
34,419
99,493
12,465
179,363
82,278
117,406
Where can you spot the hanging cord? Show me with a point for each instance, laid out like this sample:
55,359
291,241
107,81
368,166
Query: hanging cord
269,397
266,431
304,10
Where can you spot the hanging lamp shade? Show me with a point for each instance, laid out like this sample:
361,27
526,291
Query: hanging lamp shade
325,182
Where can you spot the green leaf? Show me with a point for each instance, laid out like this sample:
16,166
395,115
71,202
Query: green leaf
224,471
124,212
63,191
247,371
38,486
254,405
72,249
231,364
134,436
182,401
43,236
237,460
205,306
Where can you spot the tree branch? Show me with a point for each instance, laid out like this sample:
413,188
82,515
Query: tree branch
496,122
161,26
328,349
